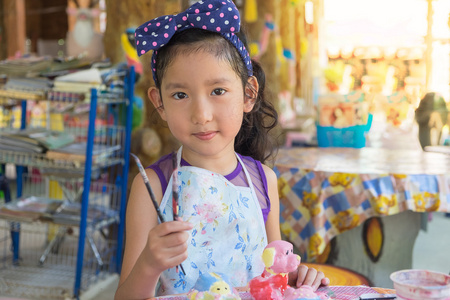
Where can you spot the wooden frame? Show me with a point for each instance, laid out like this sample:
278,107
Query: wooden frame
14,24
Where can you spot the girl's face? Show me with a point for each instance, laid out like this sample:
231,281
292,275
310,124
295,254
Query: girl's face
203,103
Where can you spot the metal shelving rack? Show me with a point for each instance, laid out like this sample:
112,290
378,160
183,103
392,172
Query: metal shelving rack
92,192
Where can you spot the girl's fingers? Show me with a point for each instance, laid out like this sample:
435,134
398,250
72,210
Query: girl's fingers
310,277
325,280
318,280
172,233
178,258
175,239
164,256
175,250
171,262
302,271
168,240
172,226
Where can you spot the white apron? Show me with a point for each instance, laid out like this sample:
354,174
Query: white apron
229,234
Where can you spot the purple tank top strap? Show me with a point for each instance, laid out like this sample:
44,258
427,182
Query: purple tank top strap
259,180
163,168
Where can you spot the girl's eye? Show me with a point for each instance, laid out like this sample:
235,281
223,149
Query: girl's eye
179,95
218,92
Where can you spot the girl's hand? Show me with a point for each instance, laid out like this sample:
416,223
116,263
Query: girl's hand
307,276
167,244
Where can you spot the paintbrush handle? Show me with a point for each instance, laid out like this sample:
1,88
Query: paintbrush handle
155,204
182,269
149,188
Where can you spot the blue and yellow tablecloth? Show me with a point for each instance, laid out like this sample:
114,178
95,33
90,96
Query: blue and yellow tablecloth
326,191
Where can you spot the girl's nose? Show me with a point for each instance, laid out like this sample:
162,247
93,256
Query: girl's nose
201,112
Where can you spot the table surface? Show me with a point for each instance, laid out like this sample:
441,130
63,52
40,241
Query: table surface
340,276
326,191
364,160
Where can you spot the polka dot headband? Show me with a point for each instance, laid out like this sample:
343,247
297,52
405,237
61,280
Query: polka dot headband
219,16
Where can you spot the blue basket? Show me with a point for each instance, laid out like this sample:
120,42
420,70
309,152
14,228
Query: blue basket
353,136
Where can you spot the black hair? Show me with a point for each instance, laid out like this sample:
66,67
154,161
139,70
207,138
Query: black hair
252,139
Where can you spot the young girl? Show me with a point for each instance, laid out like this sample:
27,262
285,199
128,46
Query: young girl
211,95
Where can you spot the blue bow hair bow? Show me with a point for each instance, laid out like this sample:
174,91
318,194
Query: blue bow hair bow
219,16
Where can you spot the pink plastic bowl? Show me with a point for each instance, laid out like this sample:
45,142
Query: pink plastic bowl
421,284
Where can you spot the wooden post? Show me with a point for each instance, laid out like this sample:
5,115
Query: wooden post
288,37
2,33
429,45
14,18
300,45
269,59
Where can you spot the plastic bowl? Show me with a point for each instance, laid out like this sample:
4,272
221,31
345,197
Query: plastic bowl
421,284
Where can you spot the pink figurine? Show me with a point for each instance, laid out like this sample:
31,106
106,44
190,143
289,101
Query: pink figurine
272,284
279,259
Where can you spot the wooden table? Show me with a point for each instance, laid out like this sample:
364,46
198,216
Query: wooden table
340,276
327,193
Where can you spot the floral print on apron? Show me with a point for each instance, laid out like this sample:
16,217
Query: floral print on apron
229,233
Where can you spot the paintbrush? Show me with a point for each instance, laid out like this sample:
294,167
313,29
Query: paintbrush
152,196
175,198
175,188
175,193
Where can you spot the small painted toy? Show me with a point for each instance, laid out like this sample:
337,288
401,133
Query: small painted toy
213,286
279,259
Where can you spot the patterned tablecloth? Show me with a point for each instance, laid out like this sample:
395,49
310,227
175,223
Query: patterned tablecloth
326,191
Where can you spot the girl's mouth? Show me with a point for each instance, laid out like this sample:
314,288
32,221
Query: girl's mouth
205,136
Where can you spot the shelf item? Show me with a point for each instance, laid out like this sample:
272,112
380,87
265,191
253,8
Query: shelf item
30,208
59,212
77,152
75,86
65,96
20,143
25,66
61,167
69,214
37,140
21,95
